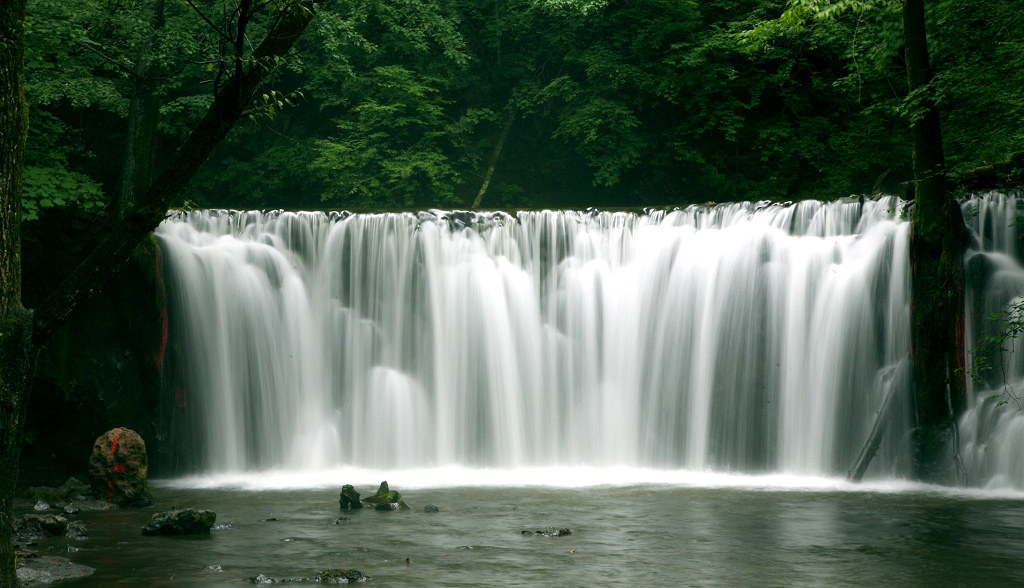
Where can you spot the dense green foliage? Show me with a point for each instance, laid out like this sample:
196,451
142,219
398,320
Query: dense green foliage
402,103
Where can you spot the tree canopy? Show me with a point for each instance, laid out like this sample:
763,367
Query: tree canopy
413,103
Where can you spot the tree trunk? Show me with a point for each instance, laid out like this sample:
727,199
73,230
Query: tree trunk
495,156
937,242
143,117
867,453
15,321
20,331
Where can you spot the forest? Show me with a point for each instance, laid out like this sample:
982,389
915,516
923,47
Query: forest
516,103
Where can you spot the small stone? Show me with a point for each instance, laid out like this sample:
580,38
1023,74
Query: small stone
262,579
341,521
41,505
71,509
221,526
216,569
431,508
270,519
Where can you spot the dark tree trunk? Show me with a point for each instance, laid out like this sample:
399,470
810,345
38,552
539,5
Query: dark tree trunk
15,321
937,243
143,117
20,331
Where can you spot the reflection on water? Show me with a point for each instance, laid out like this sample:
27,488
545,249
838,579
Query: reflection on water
651,535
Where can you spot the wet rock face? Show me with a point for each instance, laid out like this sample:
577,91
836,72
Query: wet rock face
182,521
349,498
118,468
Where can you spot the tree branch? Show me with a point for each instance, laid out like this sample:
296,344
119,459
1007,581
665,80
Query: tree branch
231,101
208,21
128,69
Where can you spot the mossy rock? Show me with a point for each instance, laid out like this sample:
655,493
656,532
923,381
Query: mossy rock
384,496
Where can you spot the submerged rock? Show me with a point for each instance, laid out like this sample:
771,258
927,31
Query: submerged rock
40,571
385,499
349,498
549,532
340,576
72,489
182,521
41,505
118,468
324,577
89,506
431,508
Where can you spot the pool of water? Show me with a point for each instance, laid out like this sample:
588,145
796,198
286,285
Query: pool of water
635,535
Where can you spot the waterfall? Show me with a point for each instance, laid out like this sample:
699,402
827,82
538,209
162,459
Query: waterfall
992,429
746,337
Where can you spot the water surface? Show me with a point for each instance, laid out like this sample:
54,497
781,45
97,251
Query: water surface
643,535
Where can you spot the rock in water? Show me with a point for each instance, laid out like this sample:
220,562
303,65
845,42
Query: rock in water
549,532
431,508
182,521
52,524
385,499
340,576
76,530
118,467
71,490
349,498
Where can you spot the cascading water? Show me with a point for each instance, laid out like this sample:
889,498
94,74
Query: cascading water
992,430
739,337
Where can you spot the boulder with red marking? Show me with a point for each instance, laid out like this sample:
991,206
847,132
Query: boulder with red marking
118,467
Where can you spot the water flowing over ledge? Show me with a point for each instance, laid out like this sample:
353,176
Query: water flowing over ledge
752,338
